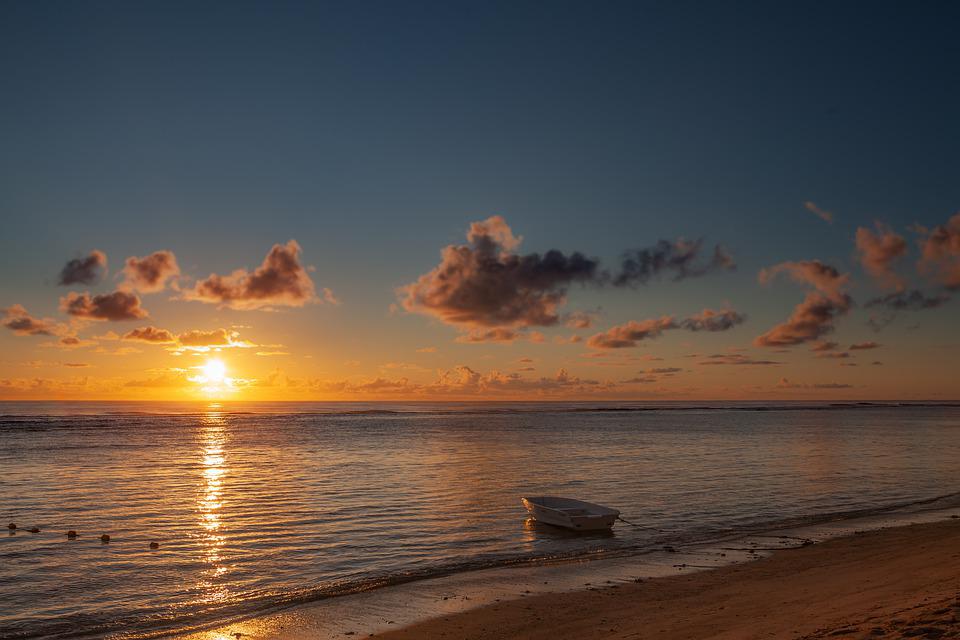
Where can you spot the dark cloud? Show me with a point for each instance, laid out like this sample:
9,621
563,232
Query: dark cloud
913,300
87,270
73,342
940,252
816,315
879,249
281,280
862,346
786,384
834,355
150,273
710,320
484,283
17,319
629,334
680,257
150,334
116,306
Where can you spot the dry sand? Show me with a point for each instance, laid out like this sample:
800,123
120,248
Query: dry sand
891,583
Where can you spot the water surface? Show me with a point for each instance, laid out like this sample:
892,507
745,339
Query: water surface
257,505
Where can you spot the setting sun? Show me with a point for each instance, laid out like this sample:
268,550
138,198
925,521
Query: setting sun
214,371
213,377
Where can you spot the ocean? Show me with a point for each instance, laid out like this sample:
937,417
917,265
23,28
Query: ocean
257,505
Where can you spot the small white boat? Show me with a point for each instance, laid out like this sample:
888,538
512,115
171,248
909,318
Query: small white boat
570,514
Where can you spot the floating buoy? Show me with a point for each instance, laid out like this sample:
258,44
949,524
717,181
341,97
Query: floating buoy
71,534
34,530
154,545
104,538
11,526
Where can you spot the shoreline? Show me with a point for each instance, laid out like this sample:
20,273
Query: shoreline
484,603
900,582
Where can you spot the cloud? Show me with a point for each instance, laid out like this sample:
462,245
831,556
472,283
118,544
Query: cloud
824,345
834,355
484,283
17,319
272,353
427,350
862,346
150,273
116,306
85,270
330,298
826,216
281,280
458,381
497,334
661,371
940,252
878,251
579,320
197,340
72,342
150,334
913,300
172,378
681,257
76,365
786,384
710,320
629,334
737,359
815,316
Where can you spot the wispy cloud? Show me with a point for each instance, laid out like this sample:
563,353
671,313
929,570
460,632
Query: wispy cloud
824,215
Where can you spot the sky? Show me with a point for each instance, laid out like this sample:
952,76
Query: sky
479,200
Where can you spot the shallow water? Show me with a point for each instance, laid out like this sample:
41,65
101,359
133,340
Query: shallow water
256,505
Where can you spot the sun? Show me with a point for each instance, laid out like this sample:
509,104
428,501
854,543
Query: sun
215,372
212,378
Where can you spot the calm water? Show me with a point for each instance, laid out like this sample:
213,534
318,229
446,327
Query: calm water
260,505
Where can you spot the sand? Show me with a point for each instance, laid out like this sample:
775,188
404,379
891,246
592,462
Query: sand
899,582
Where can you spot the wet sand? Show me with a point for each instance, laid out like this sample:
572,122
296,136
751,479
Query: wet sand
895,582
900,582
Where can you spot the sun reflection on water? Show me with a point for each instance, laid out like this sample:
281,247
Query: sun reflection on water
213,438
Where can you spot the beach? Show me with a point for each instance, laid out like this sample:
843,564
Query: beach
887,583
901,582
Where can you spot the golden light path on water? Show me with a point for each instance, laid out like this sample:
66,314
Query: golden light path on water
212,436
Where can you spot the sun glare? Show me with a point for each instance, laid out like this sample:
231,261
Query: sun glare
213,377
215,371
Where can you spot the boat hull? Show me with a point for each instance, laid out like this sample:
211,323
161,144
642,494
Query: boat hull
576,518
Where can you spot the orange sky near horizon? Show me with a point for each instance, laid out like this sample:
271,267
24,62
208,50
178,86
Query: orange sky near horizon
271,334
